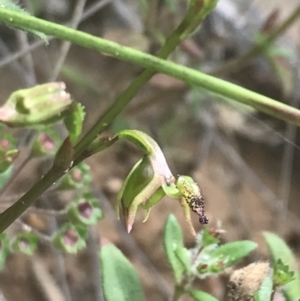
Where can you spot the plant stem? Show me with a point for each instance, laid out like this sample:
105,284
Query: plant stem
190,76
178,292
13,212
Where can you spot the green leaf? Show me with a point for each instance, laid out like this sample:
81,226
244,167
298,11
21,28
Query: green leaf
233,252
265,291
25,242
74,121
173,241
280,250
8,4
120,281
201,296
4,249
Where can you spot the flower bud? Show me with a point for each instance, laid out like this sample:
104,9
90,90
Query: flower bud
85,210
77,178
70,238
25,242
39,105
45,144
8,153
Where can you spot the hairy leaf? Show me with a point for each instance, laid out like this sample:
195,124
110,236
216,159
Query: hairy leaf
173,242
120,281
233,252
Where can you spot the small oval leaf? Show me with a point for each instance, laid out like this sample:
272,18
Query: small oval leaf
233,252
120,281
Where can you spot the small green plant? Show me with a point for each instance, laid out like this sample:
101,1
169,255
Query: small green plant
257,281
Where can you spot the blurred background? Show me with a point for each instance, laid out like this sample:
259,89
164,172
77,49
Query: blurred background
245,162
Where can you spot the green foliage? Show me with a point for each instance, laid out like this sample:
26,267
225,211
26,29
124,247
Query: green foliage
265,291
8,4
282,274
279,250
173,241
119,279
233,252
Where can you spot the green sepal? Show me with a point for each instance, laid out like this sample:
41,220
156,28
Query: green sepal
79,177
141,140
120,281
137,180
8,151
85,210
70,238
282,274
25,242
4,249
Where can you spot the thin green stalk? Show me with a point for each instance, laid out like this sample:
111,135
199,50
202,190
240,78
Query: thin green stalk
190,76
18,208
